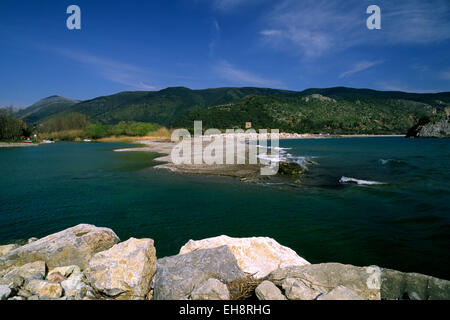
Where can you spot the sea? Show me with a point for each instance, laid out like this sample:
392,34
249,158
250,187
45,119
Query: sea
364,201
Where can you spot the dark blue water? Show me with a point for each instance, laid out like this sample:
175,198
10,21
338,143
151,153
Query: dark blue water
403,224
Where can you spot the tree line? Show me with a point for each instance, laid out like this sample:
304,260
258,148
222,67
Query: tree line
12,129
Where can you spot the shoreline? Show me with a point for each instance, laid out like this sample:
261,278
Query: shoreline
18,145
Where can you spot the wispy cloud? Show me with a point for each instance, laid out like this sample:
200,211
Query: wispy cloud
316,27
392,86
445,75
215,37
358,67
227,5
237,76
122,73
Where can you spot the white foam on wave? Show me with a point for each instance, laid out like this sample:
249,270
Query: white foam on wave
345,180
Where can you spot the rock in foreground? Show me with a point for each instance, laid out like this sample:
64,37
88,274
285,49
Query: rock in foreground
125,270
255,256
74,246
178,276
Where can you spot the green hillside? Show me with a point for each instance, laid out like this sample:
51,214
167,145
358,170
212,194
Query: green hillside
343,111
338,110
44,109
164,106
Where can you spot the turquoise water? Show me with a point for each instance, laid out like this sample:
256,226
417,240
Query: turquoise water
403,224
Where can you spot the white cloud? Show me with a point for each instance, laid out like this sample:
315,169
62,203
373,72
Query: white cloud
358,67
312,28
237,76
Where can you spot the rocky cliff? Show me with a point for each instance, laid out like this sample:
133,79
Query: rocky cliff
431,128
90,263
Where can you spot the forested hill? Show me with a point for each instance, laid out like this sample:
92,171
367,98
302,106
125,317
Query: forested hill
344,112
164,106
45,108
322,110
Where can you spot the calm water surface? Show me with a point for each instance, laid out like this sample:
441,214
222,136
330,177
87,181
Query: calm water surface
402,224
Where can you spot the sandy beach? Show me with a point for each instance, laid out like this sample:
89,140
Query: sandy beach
17,145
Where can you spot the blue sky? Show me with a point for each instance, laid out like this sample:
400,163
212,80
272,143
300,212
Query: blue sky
150,45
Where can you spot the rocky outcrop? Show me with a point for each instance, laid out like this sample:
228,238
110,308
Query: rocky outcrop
255,256
125,270
431,128
74,246
178,276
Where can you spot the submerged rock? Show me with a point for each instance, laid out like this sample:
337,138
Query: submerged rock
125,270
177,277
73,246
291,169
268,291
255,256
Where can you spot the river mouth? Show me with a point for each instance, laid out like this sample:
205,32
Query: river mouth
403,224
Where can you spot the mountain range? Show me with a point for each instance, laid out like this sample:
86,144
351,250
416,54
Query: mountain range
338,110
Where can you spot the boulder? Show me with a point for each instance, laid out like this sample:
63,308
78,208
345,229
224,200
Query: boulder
340,293
16,298
73,246
268,291
211,289
4,250
74,286
13,281
65,271
125,270
396,285
364,281
5,292
56,277
255,256
297,289
177,276
36,269
24,293
44,288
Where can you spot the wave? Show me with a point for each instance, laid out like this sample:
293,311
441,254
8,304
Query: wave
345,180
393,162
